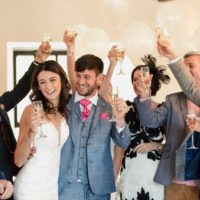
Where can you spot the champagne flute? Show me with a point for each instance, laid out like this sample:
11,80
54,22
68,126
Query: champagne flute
145,75
45,40
38,108
159,33
71,34
191,119
46,37
120,56
112,96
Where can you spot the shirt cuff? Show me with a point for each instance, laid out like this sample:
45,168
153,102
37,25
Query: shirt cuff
173,61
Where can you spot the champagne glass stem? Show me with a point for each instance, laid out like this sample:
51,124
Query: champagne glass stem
121,72
42,132
192,142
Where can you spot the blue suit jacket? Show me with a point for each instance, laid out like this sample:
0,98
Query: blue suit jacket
99,159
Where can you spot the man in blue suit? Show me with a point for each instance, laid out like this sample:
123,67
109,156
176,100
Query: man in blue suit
6,187
86,170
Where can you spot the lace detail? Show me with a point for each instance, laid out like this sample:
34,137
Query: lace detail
140,168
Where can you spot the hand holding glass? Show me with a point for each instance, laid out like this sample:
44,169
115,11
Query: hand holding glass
45,40
145,75
38,108
71,34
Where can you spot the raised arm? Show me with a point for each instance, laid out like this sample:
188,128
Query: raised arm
180,71
69,40
28,126
106,87
10,98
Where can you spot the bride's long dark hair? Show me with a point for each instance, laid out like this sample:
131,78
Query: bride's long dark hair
36,94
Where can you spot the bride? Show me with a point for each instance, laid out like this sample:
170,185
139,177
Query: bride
46,131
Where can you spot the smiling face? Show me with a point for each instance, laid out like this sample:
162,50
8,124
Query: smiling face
193,64
136,77
49,83
87,82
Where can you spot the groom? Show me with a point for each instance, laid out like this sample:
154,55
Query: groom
86,170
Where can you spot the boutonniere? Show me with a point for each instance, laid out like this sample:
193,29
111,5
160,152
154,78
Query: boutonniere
104,116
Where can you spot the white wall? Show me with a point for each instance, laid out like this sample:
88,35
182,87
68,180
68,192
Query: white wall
26,20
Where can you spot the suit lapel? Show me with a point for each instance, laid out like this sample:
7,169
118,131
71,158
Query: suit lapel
71,117
74,115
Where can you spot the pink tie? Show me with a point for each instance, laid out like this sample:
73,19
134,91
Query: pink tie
85,113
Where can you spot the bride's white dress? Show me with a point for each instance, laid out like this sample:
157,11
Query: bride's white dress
37,180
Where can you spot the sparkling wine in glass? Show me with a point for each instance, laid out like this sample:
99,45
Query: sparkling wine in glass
46,38
71,34
191,120
158,32
120,56
145,75
112,97
38,108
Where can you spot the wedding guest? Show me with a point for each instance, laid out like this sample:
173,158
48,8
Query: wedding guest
179,163
144,151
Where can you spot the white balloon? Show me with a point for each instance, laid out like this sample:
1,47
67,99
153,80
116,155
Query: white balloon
116,10
139,40
97,42
182,41
196,38
168,17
